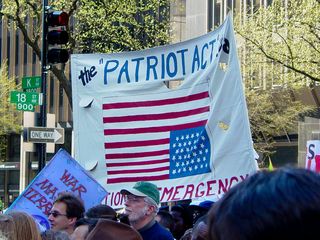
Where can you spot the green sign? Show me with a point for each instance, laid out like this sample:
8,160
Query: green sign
31,82
25,107
26,97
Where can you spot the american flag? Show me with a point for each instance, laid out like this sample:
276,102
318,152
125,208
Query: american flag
159,136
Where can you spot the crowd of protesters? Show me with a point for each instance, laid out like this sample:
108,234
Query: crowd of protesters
281,204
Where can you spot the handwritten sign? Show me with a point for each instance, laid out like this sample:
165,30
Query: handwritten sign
62,174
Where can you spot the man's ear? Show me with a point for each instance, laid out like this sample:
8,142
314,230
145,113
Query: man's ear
151,209
72,221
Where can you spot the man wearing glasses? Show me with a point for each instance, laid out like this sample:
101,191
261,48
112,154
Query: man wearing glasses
141,207
66,210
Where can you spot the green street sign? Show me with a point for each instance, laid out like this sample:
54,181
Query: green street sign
25,107
30,90
26,97
31,82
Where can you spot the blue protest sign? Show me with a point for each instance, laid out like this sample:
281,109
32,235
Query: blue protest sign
62,174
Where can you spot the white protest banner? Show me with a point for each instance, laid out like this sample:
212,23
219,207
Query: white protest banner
191,141
61,174
313,155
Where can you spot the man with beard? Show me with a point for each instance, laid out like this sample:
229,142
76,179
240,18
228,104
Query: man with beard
141,207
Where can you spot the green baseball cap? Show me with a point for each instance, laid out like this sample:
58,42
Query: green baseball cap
144,189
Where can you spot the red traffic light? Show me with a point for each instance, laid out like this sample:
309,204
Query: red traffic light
57,18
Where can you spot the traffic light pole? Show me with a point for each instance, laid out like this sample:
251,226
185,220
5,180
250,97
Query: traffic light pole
42,150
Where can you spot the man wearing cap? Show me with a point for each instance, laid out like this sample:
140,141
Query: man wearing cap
141,206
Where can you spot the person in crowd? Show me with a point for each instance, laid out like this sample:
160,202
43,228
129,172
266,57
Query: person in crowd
112,230
282,204
25,225
102,211
199,208
182,220
187,235
54,235
200,229
141,207
85,225
66,210
7,227
165,219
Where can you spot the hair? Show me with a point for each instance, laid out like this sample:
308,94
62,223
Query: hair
182,219
7,227
151,202
200,229
185,215
102,211
26,227
282,204
91,222
54,235
166,220
75,207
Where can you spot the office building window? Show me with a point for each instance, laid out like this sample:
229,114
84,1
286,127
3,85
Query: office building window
269,2
25,58
16,58
34,61
34,56
8,48
217,14
61,109
25,52
51,94
178,20
14,147
1,26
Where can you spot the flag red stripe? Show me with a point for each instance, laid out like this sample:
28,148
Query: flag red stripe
136,179
154,129
184,99
160,116
136,143
135,155
121,164
139,170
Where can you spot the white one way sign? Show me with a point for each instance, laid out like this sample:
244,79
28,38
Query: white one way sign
44,135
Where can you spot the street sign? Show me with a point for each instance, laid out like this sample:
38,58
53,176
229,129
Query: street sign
26,97
25,107
31,82
44,135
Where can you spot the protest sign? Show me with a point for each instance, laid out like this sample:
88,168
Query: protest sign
191,141
313,155
61,174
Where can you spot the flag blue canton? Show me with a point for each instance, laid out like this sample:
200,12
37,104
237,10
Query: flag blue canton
189,152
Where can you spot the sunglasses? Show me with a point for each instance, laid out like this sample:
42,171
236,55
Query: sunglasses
56,214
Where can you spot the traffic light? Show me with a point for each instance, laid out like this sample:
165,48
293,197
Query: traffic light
57,35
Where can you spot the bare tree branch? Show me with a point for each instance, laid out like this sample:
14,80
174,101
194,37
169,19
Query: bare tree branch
306,74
